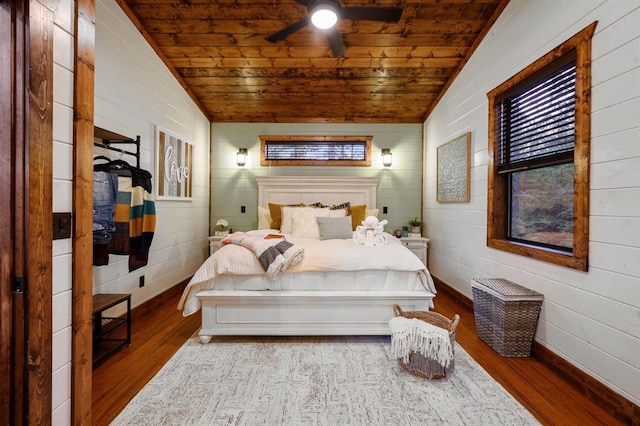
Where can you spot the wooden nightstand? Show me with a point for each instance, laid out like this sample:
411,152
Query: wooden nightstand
214,242
418,245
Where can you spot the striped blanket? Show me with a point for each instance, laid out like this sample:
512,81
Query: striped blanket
274,256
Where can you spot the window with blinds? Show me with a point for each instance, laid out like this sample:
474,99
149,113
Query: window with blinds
315,150
536,123
539,146
535,132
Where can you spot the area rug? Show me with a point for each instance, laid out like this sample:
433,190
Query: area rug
343,380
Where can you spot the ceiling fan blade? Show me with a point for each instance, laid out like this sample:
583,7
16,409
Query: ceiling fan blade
335,42
283,33
384,14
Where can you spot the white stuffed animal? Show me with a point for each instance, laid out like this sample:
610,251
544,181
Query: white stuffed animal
371,232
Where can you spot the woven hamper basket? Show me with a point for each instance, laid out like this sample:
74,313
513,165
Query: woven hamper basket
506,315
418,364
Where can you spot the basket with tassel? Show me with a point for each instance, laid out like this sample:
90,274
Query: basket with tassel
417,363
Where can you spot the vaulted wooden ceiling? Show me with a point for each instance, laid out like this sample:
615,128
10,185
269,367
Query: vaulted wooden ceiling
389,73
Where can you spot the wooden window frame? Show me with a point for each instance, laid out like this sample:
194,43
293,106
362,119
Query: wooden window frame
264,140
497,203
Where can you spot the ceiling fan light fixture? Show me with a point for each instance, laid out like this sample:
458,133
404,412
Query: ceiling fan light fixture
324,14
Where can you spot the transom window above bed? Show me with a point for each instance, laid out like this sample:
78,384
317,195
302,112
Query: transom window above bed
315,150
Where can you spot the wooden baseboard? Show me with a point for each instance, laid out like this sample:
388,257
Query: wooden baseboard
454,294
599,393
168,294
596,391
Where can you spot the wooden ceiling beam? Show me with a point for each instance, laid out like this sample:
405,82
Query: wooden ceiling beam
272,118
435,75
315,39
282,51
266,27
295,117
230,91
340,84
329,63
316,115
333,68
294,11
239,98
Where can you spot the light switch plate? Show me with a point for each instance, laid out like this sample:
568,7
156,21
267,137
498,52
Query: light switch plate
61,226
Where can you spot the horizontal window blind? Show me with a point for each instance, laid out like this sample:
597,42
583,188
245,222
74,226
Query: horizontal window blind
316,151
536,125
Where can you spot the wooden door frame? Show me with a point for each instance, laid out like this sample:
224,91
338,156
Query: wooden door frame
38,221
27,95
26,156
82,269
7,140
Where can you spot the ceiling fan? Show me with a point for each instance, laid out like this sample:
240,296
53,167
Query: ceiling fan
324,14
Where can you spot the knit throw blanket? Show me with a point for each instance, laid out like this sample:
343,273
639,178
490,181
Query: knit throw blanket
275,256
135,220
417,336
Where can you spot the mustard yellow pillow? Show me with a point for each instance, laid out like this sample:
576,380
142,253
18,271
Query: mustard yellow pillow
357,214
276,215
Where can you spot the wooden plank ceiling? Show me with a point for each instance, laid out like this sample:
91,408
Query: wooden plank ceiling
389,73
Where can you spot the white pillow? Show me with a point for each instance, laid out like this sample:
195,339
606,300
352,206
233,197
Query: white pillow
285,223
304,223
264,218
335,213
286,226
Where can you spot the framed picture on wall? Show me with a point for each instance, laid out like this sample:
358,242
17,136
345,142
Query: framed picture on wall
454,162
174,161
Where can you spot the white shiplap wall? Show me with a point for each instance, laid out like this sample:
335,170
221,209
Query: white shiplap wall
232,186
63,68
134,92
591,319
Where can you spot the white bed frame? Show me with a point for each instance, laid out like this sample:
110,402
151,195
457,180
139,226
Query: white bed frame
298,313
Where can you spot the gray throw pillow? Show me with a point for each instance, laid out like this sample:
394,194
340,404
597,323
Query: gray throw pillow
335,228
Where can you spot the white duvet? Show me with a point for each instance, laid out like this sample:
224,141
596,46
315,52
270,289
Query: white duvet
319,256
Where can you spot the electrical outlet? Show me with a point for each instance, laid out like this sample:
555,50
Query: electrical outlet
243,209
385,210
141,282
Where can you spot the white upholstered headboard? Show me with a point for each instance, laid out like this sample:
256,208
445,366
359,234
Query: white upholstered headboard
324,189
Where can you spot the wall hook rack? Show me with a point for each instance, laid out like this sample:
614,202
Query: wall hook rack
107,139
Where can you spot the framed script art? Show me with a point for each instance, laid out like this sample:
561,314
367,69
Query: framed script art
174,159
454,162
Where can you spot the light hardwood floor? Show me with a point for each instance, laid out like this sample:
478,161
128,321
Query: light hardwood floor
158,333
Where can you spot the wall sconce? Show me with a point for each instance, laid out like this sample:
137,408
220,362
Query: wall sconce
386,157
241,157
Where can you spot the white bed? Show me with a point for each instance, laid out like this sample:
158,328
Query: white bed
356,300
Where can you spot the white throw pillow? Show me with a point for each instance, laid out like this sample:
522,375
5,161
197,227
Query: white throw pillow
336,213
286,223
287,215
264,218
304,224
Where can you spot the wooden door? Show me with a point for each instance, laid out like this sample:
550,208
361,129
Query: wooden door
7,62
26,135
